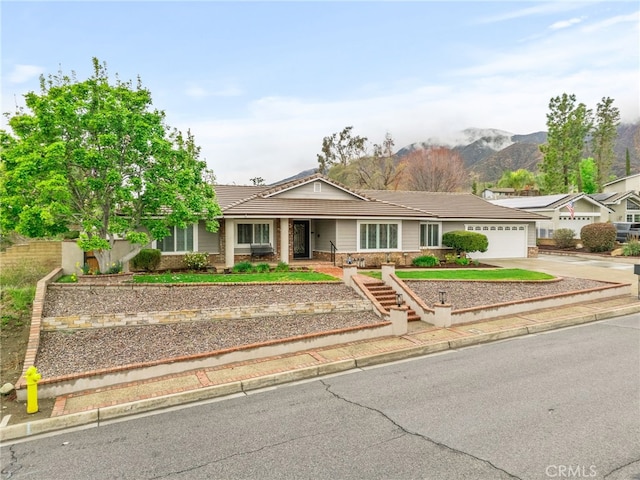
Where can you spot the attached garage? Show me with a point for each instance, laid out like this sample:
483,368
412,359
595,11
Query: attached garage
505,240
576,223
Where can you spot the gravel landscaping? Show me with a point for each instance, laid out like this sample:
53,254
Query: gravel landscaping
64,353
462,294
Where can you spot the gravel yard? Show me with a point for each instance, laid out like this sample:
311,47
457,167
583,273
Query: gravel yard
475,294
64,353
72,301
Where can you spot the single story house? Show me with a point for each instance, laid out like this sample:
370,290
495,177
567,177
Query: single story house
565,210
316,218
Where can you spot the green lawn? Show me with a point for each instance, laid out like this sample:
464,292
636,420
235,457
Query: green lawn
234,277
505,274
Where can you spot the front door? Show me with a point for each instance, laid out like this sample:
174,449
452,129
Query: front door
301,239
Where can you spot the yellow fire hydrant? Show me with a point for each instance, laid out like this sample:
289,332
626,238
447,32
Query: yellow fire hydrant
33,377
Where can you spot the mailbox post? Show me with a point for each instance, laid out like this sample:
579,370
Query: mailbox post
636,270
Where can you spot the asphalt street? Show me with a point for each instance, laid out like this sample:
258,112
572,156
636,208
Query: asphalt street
563,404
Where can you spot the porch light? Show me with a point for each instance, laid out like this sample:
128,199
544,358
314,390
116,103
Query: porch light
399,300
443,297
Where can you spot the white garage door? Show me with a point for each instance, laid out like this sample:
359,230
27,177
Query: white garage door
505,240
575,224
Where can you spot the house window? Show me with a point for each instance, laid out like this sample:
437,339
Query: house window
317,187
633,217
256,233
377,236
631,205
179,240
429,234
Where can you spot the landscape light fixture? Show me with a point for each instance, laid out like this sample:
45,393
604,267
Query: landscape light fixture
443,297
399,300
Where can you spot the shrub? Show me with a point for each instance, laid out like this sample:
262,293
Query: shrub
262,268
464,241
425,261
632,247
598,237
450,257
71,235
282,267
243,267
148,259
114,268
462,261
196,260
563,237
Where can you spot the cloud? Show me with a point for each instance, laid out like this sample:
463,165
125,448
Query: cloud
23,73
632,18
565,23
282,136
541,9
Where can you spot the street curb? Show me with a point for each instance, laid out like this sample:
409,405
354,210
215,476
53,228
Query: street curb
28,429
22,430
166,401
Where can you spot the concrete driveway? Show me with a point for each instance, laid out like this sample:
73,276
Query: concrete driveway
614,269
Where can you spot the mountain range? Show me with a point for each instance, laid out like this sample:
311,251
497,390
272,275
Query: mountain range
488,152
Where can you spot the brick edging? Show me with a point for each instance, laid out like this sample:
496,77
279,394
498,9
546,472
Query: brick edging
36,323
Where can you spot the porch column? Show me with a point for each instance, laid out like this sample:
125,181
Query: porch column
284,240
229,242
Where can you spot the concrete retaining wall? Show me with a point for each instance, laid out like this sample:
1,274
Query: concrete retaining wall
53,387
560,300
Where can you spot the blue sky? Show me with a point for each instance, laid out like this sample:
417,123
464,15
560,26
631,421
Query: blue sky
261,83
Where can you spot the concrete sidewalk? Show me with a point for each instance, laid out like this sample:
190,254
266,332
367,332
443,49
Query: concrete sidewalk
95,406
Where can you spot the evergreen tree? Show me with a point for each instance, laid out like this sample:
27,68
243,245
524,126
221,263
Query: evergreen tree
568,125
603,138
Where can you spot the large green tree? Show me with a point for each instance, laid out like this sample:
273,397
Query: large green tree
588,176
519,180
95,156
568,125
603,139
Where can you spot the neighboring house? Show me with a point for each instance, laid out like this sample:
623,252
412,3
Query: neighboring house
317,218
496,193
625,205
566,210
624,184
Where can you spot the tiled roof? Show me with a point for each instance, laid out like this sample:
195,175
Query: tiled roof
231,194
451,205
263,201
277,207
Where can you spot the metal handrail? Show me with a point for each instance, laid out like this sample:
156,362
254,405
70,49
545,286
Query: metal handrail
334,249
